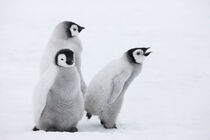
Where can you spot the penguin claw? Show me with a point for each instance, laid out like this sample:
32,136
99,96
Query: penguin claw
35,129
88,115
102,122
106,127
113,127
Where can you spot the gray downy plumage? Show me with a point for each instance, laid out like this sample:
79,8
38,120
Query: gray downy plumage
61,38
65,105
110,113
105,93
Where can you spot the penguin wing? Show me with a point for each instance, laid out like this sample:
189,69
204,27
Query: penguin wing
118,83
42,90
82,81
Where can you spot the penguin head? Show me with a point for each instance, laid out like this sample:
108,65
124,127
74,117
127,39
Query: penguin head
72,29
137,55
68,29
75,29
65,58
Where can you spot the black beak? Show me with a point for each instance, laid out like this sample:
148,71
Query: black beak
81,28
146,54
144,49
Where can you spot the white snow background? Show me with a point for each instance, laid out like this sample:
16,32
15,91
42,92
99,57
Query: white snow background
169,100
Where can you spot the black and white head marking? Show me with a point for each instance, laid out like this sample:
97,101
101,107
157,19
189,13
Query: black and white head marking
65,58
137,55
72,29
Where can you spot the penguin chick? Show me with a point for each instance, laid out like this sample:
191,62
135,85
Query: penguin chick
106,90
58,100
64,36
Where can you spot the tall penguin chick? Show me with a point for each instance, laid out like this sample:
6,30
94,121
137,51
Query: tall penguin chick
64,36
58,100
106,90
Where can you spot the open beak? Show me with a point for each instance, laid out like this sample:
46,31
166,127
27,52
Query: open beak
147,53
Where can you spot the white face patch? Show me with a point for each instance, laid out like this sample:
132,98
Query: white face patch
61,61
138,56
74,30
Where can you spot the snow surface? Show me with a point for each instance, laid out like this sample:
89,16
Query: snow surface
169,100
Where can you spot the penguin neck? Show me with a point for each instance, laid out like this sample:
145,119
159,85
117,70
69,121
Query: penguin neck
136,68
67,80
64,71
130,62
67,75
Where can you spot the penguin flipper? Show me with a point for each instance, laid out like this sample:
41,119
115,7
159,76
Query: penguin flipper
118,83
82,81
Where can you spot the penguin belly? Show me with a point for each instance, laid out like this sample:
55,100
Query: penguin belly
64,106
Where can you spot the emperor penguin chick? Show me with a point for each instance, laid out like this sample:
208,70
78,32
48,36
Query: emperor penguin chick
58,100
64,36
106,90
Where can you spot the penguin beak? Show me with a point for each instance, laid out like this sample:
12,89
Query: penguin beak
144,49
146,53
147,49
81,28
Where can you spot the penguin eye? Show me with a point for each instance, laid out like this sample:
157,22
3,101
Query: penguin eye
75,29
138,53
61,59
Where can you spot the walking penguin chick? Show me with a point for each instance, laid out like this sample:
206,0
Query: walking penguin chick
58,100
106,90
64,36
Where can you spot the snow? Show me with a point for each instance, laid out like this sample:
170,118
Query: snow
169,100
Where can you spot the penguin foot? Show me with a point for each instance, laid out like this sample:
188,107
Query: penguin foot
35,129
113,127
88,115
73,129
53,129
108,127
102,122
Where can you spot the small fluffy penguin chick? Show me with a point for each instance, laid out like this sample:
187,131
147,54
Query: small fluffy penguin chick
58,101
106,90
64,36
